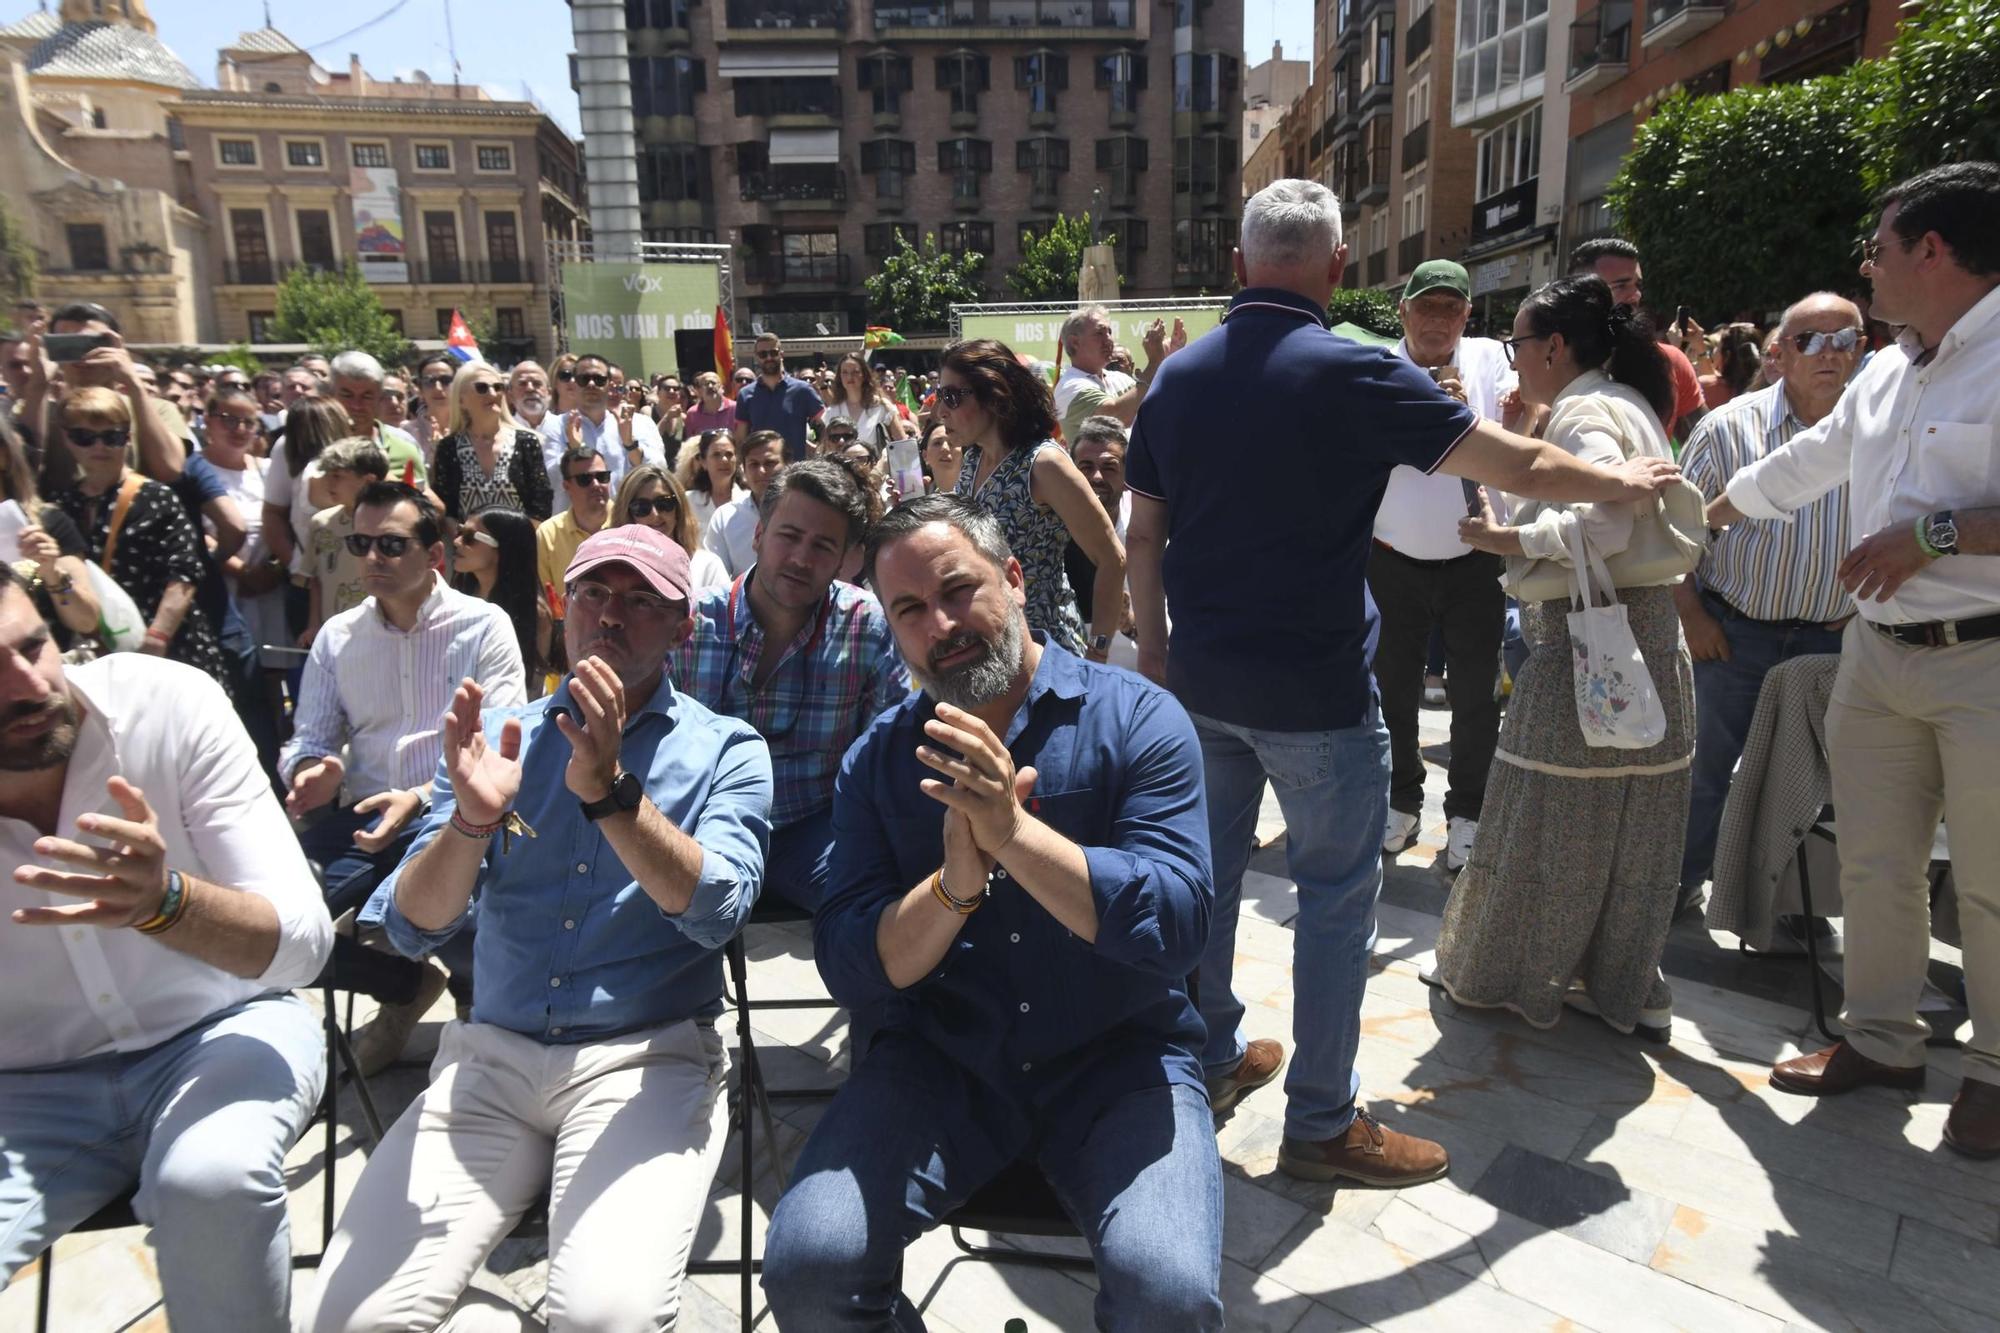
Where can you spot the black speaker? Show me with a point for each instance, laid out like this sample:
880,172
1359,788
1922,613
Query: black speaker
695,349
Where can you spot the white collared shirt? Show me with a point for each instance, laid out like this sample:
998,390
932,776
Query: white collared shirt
731,533
71,992
1913,440
602,436
1419,512
382,692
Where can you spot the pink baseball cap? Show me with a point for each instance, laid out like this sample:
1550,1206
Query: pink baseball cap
662,561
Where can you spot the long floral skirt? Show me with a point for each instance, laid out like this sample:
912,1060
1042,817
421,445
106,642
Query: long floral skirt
1576,868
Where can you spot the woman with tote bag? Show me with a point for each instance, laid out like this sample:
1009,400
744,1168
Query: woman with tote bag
1570,889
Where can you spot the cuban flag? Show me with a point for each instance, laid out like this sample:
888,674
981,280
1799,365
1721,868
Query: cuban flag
459,341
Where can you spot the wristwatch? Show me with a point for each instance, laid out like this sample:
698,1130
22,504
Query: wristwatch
626,793
1101,644
1941,531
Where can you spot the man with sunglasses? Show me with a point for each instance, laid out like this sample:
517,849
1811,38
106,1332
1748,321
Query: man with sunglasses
590,1071
1914,722
582,508
1766,591
777,401
367,738
805,659
602,420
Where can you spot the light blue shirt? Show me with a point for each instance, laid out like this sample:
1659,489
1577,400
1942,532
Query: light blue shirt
570,948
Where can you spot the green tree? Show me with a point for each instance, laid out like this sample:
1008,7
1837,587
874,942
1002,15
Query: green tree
1051,262
1941,101
1373,310
917,286
19,264
334,311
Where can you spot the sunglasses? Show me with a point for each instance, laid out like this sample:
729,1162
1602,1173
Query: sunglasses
103,439
593,381
467,536
595,597
437,381
951,396
770,356
486,388
643,508
601,477
841,437
1812,344
565,376
392,545
231,420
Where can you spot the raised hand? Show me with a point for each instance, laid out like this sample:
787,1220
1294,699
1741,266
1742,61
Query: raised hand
484,779
600,702
984,785
123,883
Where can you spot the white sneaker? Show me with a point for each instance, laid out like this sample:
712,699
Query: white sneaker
1458,843
1399,832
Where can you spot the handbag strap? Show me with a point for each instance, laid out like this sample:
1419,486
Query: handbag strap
1585,566
128,490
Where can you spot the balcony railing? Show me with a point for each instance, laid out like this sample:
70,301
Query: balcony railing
1417,39
1600,48
1672,22
779,14
1083,14
250,273
776,187
1378,267
787,97
797,270
1409,253
1417,145
1510,210
439,272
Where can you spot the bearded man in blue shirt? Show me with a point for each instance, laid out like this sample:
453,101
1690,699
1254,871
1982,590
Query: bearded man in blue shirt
1018,887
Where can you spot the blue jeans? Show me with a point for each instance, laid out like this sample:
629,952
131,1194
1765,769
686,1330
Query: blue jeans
1725,699
1334,789
795,868
912,1136
201,1122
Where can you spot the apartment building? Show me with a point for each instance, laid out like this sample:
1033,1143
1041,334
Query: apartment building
806,134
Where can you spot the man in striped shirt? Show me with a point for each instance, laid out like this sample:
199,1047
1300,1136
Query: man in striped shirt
1766,591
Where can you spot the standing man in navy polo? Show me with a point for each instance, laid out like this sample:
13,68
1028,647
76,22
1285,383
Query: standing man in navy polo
777,401
1275,670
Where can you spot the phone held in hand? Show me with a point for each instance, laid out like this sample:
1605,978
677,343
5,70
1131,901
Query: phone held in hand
67,347
1438,373
1472,509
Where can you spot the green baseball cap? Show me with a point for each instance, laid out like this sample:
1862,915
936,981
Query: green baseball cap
1433,274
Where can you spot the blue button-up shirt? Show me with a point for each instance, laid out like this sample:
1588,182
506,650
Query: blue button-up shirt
1026,1006
786,409
570,948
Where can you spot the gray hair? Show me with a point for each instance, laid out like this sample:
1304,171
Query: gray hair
355,364
1073,326
1290,222
975,523
1101,428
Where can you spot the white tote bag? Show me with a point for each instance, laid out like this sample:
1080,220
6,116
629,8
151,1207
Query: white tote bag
1616,704
120,627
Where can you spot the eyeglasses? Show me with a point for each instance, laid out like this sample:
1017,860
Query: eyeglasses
951,396
1870,248
392,545
103,439
1812,344
467,536
593,381
1510,344
486,388
231,420
601,477
595,597
437,381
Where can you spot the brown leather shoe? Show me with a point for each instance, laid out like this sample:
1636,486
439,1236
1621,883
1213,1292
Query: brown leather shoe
1840,1068
1368,1152
1262,1059
1973,1128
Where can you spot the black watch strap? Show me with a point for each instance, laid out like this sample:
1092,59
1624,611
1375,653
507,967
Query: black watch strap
625,794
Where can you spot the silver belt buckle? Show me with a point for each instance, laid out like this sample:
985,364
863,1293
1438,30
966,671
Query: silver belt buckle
1948,633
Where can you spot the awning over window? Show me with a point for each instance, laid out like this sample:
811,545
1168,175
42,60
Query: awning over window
804,146
778,64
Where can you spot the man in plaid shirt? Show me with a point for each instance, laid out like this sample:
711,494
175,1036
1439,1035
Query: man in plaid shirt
806,660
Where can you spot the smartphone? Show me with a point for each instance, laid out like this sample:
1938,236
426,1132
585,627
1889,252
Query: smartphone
66,347
1471,487
1681,318
1439,372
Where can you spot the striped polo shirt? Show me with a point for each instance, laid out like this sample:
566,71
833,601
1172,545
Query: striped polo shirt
1765,568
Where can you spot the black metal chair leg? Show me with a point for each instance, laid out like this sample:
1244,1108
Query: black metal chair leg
1812,937
998,1254
46,1281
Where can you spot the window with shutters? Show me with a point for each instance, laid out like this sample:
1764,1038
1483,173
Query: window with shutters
892,162
885,78
964,75
1041,74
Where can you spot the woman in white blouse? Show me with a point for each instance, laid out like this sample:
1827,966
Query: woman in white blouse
856,398
1571,886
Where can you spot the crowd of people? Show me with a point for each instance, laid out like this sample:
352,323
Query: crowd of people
541,677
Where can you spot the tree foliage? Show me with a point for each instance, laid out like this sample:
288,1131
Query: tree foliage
1372,309
1942,103
1051,263
335,311
19,264
917,286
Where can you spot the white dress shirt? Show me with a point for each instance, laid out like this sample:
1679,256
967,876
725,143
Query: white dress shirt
71,992
604,437
1913,439
731,533
382,692
1419,512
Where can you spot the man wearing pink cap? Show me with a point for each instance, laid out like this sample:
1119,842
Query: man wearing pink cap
615,832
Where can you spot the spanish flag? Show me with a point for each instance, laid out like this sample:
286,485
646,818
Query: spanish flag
725,346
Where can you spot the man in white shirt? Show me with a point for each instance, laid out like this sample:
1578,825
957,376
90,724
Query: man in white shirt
158,909
528,394
731,531
1088,387
1914,724
623,436
1420,574
367,738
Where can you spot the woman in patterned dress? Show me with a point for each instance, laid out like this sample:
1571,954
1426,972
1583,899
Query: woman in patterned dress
1002,416
485,461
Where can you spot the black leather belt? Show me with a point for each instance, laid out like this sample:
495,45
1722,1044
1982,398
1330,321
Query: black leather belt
1942,633
1727,610
1381,545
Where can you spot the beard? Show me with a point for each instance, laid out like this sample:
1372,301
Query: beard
986,677
50,748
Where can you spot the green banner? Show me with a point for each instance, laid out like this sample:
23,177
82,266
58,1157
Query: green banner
1035,332
630,312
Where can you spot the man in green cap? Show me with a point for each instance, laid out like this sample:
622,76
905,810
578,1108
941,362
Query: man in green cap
1421,575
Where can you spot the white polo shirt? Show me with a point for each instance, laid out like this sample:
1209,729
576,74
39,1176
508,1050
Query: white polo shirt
1419,513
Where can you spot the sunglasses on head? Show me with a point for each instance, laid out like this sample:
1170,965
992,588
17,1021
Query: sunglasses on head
1812,344
593,381
84,438
467,536
952,396
644,508
438,381
601,477
391,544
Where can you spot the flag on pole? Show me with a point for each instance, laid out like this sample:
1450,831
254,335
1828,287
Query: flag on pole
907,395
725,347
878,335
460,343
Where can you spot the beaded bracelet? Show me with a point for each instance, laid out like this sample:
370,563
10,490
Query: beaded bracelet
470,830
171,907
952,903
